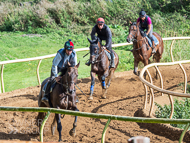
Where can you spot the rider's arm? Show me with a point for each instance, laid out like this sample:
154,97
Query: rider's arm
56,61
108,38
93,37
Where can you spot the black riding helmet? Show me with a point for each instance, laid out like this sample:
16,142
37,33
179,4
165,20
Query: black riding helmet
142,13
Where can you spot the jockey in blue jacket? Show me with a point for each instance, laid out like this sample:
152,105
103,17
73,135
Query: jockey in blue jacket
63,56
146,24
103,33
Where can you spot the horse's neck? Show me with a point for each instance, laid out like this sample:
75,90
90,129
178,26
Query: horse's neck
100,47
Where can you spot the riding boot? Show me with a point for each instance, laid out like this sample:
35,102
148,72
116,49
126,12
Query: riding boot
112,60
87,63
45,97
153,47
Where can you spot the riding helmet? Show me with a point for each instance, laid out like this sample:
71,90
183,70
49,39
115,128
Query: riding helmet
100,20
142,13
69,45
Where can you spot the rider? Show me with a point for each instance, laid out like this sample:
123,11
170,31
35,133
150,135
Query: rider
63,56
103,33
146,24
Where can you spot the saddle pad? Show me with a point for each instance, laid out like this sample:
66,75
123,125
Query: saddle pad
108,55
44,88
155,41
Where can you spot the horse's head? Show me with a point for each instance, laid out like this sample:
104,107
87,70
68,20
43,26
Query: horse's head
132,32
94,50
70,77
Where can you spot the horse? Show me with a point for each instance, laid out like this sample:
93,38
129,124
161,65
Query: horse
141,49
63,96
100,65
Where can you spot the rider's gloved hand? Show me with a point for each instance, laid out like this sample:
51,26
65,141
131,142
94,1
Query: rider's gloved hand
143,33
57,78
104,47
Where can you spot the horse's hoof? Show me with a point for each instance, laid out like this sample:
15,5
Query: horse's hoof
104,87
135,73
90,97
104,97
72,133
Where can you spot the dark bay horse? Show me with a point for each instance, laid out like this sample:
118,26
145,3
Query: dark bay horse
63,96
100,66
141,49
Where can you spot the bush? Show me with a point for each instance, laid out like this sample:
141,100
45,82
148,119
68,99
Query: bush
181,111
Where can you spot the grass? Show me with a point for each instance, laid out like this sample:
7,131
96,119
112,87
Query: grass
14,45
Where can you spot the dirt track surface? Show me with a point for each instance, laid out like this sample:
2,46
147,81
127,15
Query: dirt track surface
125,97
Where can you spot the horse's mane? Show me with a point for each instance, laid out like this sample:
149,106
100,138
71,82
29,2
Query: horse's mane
64,69
98,40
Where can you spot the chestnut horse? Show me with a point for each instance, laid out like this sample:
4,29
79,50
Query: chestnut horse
63,96
141,49
100,66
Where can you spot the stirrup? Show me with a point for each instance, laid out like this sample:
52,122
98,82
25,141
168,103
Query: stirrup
87,63
153,51
44,99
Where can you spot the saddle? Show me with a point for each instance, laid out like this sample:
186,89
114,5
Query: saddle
51,88
155,41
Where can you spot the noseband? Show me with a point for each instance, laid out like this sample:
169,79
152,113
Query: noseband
135,40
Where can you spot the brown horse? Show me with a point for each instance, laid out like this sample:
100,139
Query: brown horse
100,66
63,96
141,49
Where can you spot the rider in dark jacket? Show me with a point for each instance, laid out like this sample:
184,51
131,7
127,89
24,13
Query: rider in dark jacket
103,33
63,56
146,24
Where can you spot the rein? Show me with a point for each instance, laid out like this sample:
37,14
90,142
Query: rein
135,40
66,85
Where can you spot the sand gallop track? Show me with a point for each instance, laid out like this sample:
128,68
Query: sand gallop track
125,97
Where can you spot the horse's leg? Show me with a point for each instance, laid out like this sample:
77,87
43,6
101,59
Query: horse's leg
135,67
110,77
59,126
53,126
93,74
73,131
145,63
41,115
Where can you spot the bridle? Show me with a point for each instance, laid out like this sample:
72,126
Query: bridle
96,56
66,85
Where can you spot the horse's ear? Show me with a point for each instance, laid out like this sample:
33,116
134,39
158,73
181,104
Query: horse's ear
96,40
78,64
68,63
138,24
130,22
89,40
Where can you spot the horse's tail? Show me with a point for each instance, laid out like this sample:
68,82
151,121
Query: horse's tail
40,97
161,43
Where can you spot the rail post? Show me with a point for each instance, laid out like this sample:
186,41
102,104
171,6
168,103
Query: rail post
42,126
105,129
